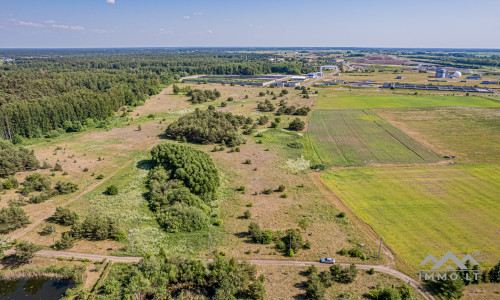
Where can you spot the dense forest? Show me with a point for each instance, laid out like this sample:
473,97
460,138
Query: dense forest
38,95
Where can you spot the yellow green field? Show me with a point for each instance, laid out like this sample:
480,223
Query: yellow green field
356,137
330,100
426,209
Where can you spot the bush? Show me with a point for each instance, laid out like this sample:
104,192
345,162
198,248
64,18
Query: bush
57,168
297,125
64,188
254,231
341,215
10,183
25,251
207,127
371,271
182,218
47,229
247,162
14,159
46,165
307,245
267,191
42,197
100,176
12,218
64,216
250,204
266,237
111,190
223,104
96,227
295,145
37,182
242,189
281,188
66,242
247,214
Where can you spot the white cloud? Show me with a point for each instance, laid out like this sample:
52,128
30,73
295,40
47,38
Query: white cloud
111,1
187,17
49,22
70,27
26,23
210,31
197,13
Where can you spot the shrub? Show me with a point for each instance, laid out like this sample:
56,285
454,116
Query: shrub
12,218
25,251
242,189
10,183
250,204
297,125
86,170
182,218
111,190
95,227
64,216
46,165
285,195
295,145
47,229
223,104
247,214
341,214
281,188
14,159
42,197
307,245
100,176
207,127
247,162
267,191
63,188
254,231
66,242
266,237
371,271
37,182
218,222
57,168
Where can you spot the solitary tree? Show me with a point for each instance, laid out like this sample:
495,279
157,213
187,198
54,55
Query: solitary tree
303,224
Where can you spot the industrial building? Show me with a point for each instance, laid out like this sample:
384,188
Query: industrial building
440,88
440,73
298,78
474,77
490,82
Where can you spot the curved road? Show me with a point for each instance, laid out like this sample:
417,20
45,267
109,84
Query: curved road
293,263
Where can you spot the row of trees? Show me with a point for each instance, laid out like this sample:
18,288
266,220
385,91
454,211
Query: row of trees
183,183
200,96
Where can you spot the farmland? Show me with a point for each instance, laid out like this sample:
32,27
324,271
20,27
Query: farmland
328,100
470,134
426,209
359,137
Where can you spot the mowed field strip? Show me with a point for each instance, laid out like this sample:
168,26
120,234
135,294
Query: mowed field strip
426,209
333,101
355,137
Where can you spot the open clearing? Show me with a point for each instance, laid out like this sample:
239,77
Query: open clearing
470,134
426,209
331,101
358,138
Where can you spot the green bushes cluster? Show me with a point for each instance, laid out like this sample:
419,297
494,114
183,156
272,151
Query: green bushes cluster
207,127
12,218
159,277
200,96
183,183
284,241
14,159
96,227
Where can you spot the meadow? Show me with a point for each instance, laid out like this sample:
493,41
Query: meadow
329,100
470,134
345,138
426,209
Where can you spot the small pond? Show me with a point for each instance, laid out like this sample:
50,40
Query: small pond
34,288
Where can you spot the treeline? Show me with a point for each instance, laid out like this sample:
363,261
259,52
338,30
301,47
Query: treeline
159,277
183,183
38,95
207,127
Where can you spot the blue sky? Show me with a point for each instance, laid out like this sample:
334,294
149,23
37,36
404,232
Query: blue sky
193,23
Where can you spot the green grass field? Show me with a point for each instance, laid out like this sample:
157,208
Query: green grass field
330,101
359,138
426,209
470,134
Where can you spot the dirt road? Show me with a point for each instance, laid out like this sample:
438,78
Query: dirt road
292,263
